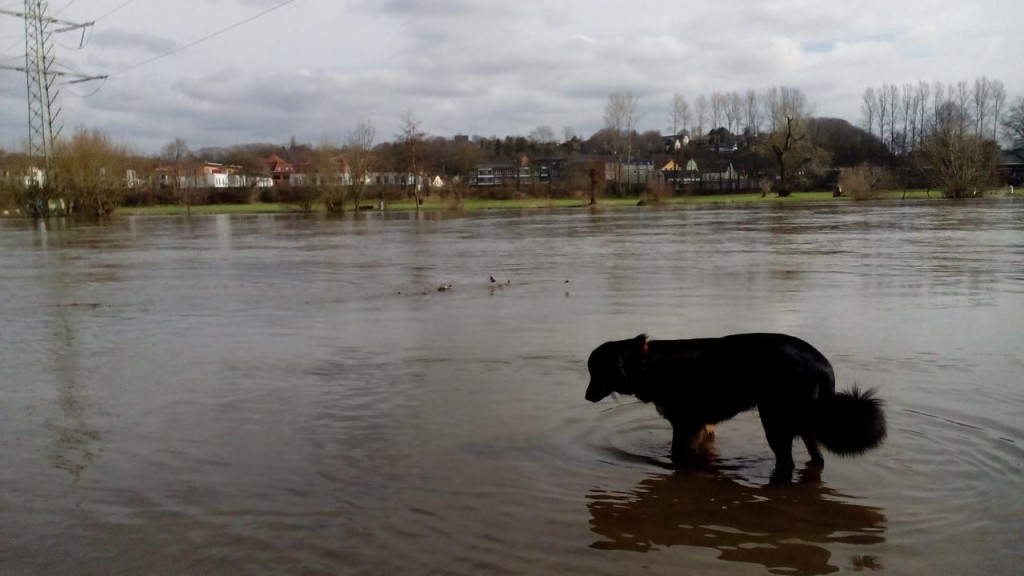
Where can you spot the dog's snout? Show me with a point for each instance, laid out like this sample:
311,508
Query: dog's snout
595,393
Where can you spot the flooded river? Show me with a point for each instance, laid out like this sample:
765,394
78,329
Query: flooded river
295,395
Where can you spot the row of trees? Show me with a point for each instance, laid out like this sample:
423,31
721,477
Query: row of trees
90,174
948,133
945,132
750,112
903,117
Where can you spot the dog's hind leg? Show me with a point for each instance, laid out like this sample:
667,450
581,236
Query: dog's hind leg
780,438
812,448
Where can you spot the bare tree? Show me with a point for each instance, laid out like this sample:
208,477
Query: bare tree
411,140
906,115
882,107
620,118
961,97
680,114
175,151
916,103
322,181
91,172
542,135
792,150
772,109
788,141
177,156
700,114
869,109
795,103
357,154
955,160
892,96
998,101
733,111
785,102
752,109
719,105
981,97
923,93
940,95
1013,123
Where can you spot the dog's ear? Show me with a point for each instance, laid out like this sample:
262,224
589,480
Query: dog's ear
637,347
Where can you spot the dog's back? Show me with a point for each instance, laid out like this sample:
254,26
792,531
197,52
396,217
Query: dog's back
716,378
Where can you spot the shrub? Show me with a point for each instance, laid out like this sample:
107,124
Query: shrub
864,182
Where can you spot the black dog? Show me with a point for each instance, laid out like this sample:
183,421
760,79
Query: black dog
694,383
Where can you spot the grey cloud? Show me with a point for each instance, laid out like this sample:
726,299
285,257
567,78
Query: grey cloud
116,39
485,67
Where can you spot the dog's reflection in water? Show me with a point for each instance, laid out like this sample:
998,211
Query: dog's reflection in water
786,528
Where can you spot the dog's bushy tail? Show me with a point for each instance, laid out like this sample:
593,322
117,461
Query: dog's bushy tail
849,423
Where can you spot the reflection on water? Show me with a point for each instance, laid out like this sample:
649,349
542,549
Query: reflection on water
291,394
785,528
75,440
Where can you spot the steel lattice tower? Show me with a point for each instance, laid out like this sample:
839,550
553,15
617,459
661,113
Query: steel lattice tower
43,117
41,76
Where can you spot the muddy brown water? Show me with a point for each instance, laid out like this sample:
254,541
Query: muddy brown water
294,395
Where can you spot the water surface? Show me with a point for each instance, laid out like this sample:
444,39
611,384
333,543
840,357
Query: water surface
294,395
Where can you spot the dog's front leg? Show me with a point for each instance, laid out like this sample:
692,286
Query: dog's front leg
687,441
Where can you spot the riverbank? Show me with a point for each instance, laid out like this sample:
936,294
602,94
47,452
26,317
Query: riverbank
517,204
471,205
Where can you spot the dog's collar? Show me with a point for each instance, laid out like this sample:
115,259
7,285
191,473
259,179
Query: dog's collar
646,347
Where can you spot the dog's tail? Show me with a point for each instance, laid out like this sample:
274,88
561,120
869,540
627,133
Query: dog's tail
849,423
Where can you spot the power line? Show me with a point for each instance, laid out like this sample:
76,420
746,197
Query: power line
65,7
204,38
20,42
122,5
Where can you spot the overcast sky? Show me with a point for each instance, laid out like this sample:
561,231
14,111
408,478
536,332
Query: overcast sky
312,69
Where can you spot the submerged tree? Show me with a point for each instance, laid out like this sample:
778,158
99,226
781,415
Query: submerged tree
91,172
956,160
357,155
411,144
788,140
327,179
792,150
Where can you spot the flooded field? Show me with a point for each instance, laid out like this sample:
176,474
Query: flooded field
295,395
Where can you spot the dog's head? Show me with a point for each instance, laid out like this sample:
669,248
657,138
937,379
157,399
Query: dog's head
613,366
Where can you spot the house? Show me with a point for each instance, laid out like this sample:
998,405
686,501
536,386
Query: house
1010,167
638,171
401,179
671,172
203,175
280,170
500,174
549,169
677,142
721,172
691,173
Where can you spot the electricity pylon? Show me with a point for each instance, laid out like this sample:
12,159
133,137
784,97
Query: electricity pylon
44,123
